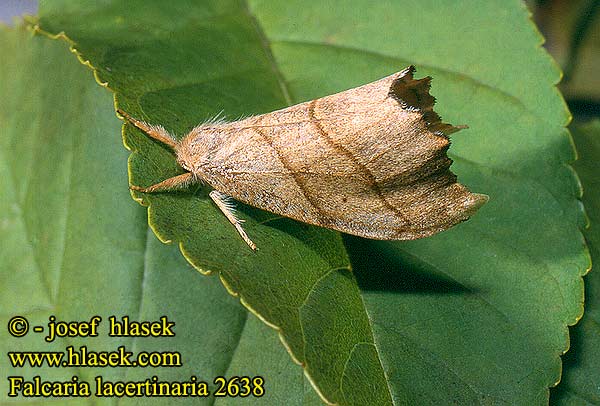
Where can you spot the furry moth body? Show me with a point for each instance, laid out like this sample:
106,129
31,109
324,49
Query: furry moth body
369,161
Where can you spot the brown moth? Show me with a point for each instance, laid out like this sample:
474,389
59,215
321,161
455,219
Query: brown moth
370,161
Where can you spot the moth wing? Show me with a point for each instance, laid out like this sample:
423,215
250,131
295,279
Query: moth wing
370,161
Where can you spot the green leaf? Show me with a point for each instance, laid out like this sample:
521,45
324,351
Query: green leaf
74,245
477,314
581,376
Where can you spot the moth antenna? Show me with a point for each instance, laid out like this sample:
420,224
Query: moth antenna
157,132
226,205
174,183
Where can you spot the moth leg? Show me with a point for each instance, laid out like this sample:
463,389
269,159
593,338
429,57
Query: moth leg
226,207
175,182
154,131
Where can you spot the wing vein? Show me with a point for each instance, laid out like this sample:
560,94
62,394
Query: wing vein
323,218
372,182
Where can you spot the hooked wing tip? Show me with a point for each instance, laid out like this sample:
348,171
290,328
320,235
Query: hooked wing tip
474,202
413,94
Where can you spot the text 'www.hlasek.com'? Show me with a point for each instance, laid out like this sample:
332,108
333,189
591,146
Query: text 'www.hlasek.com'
38,372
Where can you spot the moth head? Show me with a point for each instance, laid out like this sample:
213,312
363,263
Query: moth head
185,163
194,150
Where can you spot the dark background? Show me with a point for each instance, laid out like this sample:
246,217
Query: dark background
572,32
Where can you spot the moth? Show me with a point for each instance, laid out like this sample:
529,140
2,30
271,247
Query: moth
369,161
